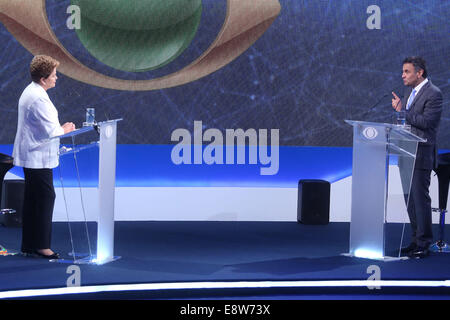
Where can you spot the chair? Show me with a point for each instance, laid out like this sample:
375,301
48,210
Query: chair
443,174
6,163
11,195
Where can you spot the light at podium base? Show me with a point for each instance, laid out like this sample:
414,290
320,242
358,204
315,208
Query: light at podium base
372,255
369,254
88,260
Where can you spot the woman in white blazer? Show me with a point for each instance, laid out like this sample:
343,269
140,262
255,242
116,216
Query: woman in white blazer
37,122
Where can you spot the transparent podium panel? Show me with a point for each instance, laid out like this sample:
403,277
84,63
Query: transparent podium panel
402,158
78,179
376,146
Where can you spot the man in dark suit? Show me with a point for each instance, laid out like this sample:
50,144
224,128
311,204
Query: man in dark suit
423,105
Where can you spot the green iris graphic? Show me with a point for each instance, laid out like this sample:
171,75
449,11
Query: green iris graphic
137,35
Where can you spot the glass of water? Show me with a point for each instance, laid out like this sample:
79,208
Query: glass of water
401,118
90,116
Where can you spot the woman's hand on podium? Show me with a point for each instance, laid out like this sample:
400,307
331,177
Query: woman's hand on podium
68,127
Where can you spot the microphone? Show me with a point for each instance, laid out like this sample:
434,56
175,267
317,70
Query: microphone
372,107
379,100
96,127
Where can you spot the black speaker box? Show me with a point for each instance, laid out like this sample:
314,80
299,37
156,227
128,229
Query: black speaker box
313,202
12,198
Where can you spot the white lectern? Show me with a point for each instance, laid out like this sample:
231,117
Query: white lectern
106,142
374,144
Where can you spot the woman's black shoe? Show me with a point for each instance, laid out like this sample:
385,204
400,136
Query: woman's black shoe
50,257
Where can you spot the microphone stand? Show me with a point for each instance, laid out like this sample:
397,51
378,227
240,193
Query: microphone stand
370,109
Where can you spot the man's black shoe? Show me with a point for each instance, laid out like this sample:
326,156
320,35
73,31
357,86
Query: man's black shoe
419,252
407,250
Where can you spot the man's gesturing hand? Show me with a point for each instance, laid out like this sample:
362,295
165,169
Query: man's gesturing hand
396,102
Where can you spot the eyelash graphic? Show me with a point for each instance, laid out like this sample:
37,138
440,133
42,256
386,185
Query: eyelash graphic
245,22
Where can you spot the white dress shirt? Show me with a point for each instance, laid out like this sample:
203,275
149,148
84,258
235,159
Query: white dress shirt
417,89
37,122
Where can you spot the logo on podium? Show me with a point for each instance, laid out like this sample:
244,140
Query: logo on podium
370,133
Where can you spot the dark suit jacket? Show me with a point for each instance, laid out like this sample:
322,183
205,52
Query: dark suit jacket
424,116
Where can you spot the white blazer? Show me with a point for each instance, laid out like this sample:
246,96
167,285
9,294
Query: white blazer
37,122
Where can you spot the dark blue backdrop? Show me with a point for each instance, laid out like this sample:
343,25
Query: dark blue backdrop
317,65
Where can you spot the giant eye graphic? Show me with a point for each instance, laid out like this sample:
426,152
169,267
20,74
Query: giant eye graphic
140,35
160,39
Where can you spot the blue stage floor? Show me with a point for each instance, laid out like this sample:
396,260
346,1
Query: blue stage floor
183,252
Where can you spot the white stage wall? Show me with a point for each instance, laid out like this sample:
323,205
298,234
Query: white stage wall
221,204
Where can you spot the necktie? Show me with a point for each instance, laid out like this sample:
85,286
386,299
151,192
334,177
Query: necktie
411,99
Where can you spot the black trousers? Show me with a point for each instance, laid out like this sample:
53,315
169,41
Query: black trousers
419,208
39,200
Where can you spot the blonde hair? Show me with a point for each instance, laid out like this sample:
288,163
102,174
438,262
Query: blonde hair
42,66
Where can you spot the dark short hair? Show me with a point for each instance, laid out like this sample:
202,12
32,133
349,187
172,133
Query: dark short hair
418,63
41,67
